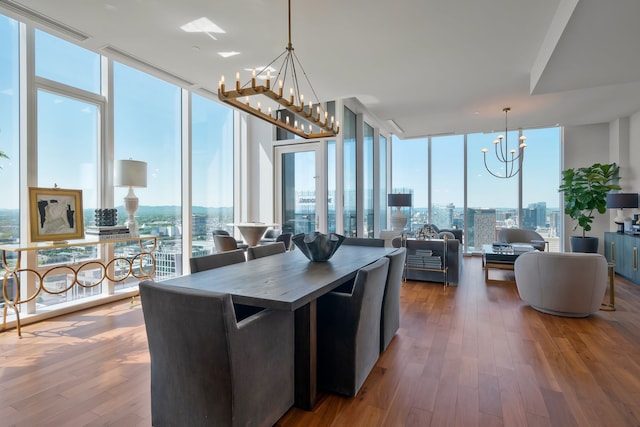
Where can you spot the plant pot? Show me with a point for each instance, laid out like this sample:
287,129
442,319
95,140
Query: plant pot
584,244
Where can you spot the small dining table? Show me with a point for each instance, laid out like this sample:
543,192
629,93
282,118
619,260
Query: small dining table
288,281
252,232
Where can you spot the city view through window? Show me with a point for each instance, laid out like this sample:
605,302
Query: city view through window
148,126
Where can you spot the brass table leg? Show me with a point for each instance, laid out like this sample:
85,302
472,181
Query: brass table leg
611,305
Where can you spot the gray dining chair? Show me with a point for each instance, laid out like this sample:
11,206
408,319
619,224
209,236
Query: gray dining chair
208,262
270,236
359,241
390,316
209,368
225,243
286,239
262,251
349,331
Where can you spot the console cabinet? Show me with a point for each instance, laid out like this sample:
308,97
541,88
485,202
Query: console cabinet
622,249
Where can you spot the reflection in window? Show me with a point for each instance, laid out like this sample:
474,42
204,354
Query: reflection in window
147,127
211,172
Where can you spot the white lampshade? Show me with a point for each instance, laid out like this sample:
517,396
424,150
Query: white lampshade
130,173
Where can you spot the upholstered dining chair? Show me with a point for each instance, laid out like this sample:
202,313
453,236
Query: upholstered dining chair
286,239
208,262
209,368
270,236
239,244
262,251
390,316
225,243
359,241
349,331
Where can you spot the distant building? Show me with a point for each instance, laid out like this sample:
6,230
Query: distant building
535,216
482,225
199,227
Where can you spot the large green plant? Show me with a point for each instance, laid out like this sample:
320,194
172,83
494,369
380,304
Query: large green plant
585,191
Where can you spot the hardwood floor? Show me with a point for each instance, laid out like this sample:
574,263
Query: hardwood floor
464,356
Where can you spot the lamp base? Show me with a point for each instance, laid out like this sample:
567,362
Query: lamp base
398,220
132,225
131,206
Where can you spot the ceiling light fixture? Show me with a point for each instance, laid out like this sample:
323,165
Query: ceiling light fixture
505,155
309,120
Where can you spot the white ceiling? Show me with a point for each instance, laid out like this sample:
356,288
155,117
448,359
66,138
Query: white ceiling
433,66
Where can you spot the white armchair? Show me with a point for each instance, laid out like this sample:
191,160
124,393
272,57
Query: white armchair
563,284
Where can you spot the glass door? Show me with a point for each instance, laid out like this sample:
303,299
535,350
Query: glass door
301,202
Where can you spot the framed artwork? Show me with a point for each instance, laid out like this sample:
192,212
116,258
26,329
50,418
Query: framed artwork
55,214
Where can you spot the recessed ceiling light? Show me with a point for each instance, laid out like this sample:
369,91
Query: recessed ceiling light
228,54
202,25
262,71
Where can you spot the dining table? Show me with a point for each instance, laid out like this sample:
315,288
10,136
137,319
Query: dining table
288,281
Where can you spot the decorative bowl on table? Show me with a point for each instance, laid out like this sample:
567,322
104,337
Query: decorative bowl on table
316,246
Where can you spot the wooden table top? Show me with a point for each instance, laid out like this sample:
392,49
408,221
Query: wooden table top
285,281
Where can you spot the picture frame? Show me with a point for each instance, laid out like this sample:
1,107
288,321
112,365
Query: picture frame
55,214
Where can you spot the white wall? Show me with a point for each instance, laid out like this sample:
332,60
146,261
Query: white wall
259,171
584,146
634,153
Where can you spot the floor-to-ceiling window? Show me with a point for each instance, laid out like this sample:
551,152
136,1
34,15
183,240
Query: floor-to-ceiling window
9,131
147,127
540,198
447,181
331,186
489,202
350,174
409,174
9,139
492,203
382,188
68,133
211,171
367,181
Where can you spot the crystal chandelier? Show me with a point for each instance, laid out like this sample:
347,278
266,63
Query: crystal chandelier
505,155
305,120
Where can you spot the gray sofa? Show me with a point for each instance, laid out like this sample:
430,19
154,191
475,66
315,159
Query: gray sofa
454,260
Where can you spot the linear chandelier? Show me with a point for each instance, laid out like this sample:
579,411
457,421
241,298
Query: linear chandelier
305,120
505,155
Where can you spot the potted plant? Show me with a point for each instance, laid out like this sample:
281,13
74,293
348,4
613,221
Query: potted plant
585,192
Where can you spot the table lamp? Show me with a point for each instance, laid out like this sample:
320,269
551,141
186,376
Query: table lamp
130,173
398,219
620,201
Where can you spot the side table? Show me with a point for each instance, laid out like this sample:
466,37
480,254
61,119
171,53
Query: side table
612,273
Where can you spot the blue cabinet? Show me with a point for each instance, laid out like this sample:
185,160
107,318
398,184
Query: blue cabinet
622,249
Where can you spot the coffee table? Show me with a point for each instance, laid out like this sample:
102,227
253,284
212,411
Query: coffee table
501,259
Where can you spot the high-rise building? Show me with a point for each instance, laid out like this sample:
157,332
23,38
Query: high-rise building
482,226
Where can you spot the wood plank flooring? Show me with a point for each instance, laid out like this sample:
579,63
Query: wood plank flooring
471,355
